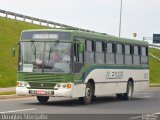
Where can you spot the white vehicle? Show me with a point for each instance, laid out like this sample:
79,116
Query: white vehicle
84,65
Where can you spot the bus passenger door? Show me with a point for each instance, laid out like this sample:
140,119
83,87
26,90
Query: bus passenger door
78,65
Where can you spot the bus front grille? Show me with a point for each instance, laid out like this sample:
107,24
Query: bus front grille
41,80
41,85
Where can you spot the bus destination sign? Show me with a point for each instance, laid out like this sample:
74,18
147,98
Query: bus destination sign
45,36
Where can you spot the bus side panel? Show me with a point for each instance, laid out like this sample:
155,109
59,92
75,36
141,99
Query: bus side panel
116,81
110,88
103,85
140,78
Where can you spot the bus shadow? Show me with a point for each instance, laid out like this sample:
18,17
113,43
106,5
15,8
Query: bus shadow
75,102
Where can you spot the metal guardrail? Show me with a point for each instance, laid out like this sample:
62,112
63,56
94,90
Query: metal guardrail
154,46
42,22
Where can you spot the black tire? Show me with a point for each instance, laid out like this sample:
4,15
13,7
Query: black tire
43,99
87,99
93,98
120,96
129,92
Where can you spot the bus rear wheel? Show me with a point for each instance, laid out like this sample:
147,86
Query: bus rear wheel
128,94
87,99
43,99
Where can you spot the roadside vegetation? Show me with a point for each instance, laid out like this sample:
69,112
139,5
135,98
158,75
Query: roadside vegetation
8,93
10,31
154,66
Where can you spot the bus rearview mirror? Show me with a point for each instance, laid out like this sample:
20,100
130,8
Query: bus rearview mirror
80,48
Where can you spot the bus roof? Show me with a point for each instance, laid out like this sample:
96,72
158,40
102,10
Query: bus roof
95,35
103,36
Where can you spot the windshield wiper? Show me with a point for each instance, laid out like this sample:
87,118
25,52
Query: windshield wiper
34,50
52,49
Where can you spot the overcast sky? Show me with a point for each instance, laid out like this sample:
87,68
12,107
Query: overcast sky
140,16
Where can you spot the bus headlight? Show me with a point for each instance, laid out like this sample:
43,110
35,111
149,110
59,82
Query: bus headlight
22,84
63,85
58,85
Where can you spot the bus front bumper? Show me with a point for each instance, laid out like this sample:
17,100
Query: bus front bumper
73,92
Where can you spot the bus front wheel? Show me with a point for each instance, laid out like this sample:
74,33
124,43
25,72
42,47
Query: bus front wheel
87,99
43,99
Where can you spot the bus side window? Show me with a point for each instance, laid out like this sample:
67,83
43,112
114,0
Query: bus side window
78,57
128,55
88,45
144,55
136,56
90,48
99,52
119,54
110,57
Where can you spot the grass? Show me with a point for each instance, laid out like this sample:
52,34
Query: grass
8,93
155,52
10,31
154,66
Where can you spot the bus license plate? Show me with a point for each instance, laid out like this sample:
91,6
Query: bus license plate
41,92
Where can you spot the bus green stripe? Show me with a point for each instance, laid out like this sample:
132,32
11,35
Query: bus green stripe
110,67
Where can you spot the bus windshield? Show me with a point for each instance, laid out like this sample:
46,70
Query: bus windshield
45,57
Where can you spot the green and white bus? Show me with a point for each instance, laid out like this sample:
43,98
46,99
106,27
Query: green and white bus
80,64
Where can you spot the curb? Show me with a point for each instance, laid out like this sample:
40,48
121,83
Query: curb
12,96
154,85
8,89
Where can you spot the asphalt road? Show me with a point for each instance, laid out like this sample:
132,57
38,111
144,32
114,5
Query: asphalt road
143,102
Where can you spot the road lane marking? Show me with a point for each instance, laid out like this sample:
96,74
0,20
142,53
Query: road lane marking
22,110
146,96
132,118
143,97
157,113
149,115
141,93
